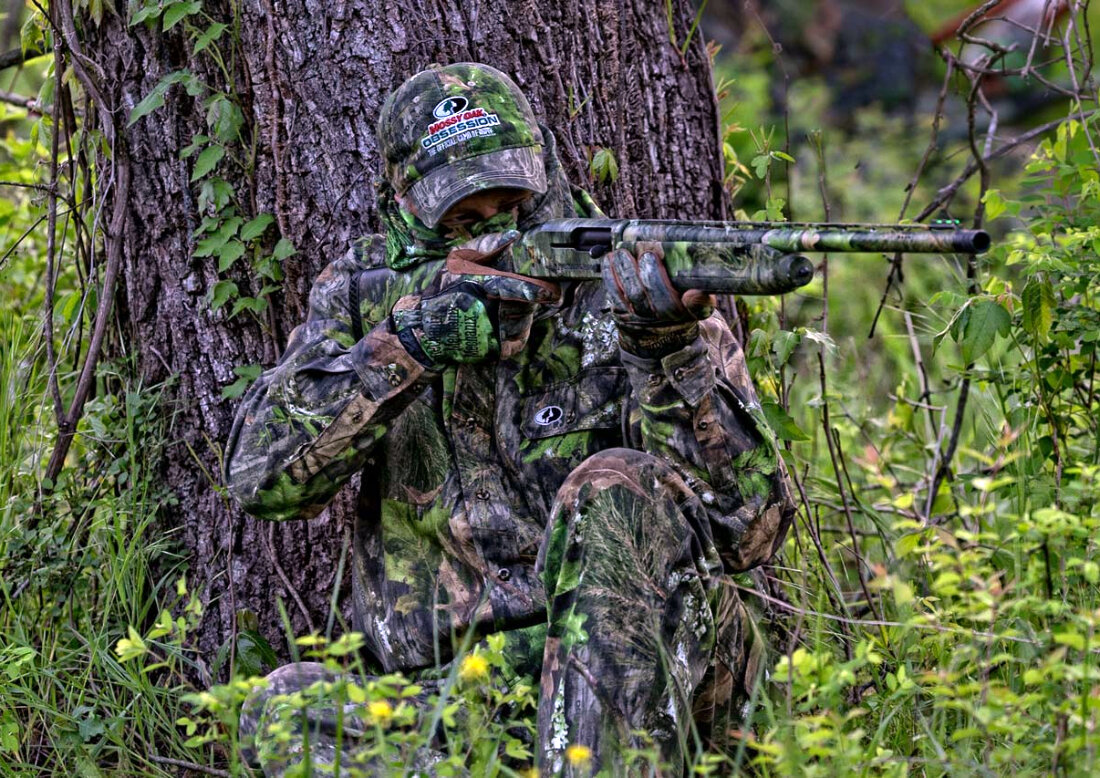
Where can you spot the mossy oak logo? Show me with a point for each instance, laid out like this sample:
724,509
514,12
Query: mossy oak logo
449,107
457,123
551,414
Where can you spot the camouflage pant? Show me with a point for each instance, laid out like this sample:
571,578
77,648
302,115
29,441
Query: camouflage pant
648,647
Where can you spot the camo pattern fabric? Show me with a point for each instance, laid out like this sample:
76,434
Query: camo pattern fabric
448,132
292,726
637,604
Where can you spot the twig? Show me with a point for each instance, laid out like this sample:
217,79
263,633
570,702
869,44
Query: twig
189,766
67,428
1076,86
837,598
784,605
17,56
270,548
114,234
948,192
922,375
51,250
831,444
23,101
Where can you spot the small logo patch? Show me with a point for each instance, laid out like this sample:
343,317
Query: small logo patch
551,414
457,122
449,106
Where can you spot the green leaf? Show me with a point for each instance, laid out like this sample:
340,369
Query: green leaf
1038,303
784,344
1071,639
130,647
68,306
255,228
197,142
155,99
228,254
149,11
781,423
90,728
208,247
224,118
760,165
207,160
985,320
95,10
211,34
223,290
994,204
283,249
229,227
148,104
605,168
175,12
254,304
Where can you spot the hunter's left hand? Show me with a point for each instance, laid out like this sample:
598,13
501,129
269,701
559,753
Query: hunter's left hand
654,319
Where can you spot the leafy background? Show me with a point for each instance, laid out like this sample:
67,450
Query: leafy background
934,610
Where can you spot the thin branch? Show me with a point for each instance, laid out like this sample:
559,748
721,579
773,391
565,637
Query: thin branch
51,251
67,429
189,766
784,605
17,56
269,546
948,192
22,101
945,457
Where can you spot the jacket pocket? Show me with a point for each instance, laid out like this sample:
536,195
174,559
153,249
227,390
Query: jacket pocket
591,400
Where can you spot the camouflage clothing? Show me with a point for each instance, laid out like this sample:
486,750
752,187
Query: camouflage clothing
465,488
450,131
638,609
293,722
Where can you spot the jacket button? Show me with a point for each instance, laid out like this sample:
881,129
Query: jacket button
654,379
571,417
395,379
504,574
703,425
482,494
678,374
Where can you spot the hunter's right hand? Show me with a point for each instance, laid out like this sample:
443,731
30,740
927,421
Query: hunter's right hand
474,318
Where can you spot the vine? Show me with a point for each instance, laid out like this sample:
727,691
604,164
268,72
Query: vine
231,230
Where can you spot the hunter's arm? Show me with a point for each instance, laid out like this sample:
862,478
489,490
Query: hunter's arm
697,408
308,424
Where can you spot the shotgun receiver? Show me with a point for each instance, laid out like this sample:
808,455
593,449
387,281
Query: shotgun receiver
748,258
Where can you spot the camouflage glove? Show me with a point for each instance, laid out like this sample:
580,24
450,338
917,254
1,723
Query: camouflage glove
653,318
476,316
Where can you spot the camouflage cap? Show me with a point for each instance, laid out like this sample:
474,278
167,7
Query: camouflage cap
450,132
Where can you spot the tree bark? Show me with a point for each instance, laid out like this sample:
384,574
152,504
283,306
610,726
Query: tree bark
311,77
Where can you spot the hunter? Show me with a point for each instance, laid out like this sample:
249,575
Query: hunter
579,468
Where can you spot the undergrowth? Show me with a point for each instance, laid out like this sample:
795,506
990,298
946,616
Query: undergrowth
933,611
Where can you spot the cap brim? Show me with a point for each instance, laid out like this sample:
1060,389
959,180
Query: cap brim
519,168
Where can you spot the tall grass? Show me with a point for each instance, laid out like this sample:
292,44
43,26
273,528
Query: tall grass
73,584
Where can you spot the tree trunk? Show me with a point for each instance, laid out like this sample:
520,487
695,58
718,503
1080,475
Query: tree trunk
310,78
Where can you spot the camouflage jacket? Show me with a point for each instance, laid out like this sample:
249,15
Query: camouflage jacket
460,467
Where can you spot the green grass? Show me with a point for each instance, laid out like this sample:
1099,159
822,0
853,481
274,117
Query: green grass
912,634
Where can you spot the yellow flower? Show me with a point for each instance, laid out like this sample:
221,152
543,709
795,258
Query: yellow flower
380,711
474,668
530,772
578,755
